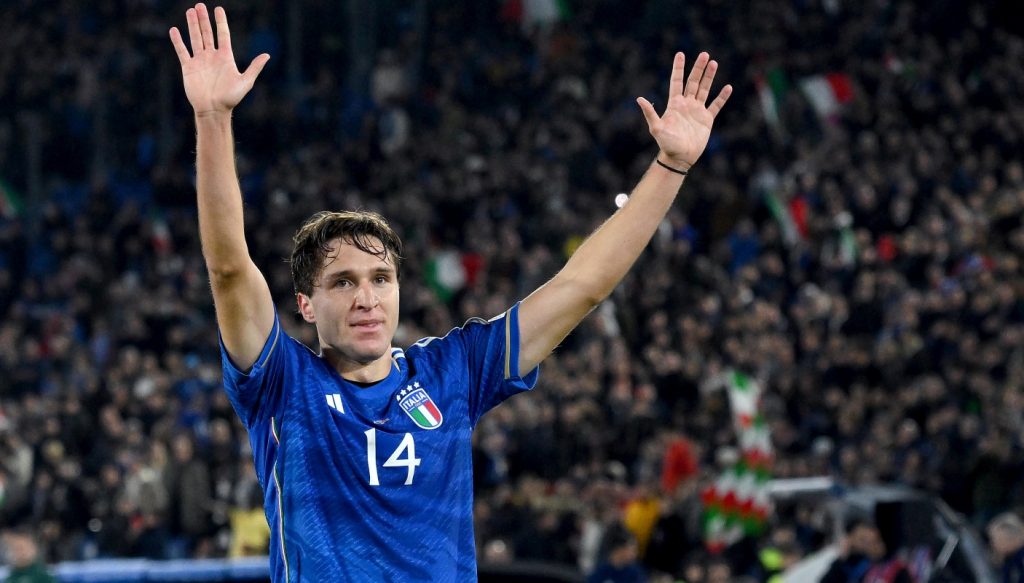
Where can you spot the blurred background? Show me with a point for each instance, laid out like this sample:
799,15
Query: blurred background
836,294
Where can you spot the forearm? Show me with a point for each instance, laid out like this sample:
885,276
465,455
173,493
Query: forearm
221,226
548,315
605,257
245,309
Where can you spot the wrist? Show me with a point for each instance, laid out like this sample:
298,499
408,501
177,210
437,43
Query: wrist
672,164
213,115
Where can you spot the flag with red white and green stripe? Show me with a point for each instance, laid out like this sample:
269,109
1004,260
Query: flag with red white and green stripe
11,204
828,93
771,91
737,504
418,405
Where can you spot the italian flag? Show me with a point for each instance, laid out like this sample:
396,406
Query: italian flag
446,274
771,90
160,233
738,504
827,93
426,415
11,205
791,216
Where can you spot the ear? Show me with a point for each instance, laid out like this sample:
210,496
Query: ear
305,308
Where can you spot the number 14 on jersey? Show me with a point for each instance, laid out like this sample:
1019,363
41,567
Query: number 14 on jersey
410,461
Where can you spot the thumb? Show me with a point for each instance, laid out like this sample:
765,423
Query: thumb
255,67
649,114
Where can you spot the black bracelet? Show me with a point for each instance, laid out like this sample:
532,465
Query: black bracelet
671,169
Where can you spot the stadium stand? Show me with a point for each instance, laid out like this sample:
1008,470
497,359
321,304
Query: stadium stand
852,238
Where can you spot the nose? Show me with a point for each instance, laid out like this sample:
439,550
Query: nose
366,297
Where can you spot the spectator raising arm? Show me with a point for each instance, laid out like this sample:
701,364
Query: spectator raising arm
682,132
213,85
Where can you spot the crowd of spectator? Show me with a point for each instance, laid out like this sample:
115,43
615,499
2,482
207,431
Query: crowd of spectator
888,332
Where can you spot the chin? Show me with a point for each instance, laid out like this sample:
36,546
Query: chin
369,354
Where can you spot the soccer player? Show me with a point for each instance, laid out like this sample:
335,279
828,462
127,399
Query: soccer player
363,450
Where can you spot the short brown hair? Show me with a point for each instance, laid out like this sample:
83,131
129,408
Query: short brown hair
367,231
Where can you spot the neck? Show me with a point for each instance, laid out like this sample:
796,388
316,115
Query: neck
360,372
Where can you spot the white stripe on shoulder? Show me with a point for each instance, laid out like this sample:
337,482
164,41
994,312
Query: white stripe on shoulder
422,342
397,353
498,317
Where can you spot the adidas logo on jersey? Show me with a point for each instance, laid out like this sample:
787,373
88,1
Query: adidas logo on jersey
334,402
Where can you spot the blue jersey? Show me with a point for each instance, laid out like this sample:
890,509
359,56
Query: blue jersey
374,483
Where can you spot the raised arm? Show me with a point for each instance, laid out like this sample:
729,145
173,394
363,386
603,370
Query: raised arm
548,315
213,85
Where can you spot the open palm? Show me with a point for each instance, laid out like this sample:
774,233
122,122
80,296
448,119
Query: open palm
212,81
682,132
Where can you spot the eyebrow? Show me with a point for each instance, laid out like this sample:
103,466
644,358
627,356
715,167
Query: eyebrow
350,272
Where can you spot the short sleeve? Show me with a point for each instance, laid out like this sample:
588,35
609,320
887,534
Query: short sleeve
256,393
492,349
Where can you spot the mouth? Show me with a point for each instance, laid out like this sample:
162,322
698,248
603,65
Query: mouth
368,326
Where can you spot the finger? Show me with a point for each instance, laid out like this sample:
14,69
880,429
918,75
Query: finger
223,32
649,114
179,46
719,102
675,83
194,37
204,26
693,82
706,81
254,68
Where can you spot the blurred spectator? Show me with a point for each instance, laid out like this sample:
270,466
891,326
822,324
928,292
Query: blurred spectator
719,571
250,533
1006,536
863,557
620,564
641,514
187,480
863,262
26,566
780,552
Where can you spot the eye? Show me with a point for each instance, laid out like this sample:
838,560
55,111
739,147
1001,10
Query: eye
342,283
381,279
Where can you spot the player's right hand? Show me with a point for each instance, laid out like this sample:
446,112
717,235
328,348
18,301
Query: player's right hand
212,81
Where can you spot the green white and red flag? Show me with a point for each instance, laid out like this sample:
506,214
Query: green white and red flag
11,204
738,504
791,217
418,405
772,87
827,93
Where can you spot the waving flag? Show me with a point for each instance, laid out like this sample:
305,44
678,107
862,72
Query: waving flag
737,504
771,91
11,205
827,93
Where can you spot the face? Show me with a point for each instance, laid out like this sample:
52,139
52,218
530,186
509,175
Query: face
182,448
719,573
1003,542
868,541
354,305
624,554
21,550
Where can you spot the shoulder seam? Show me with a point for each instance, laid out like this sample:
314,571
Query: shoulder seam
273,347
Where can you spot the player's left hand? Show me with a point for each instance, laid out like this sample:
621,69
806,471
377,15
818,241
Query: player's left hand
682,132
